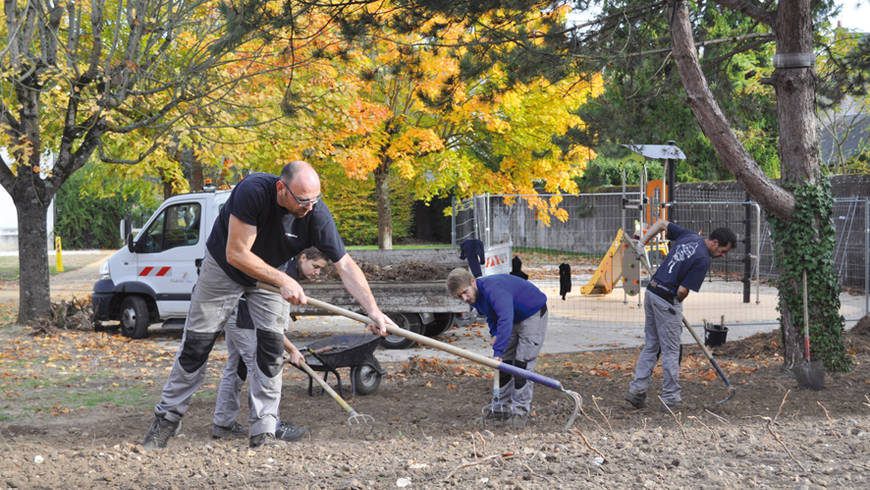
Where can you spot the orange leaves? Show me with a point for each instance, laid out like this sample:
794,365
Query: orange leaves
58,409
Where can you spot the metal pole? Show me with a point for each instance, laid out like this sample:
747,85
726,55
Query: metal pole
747,257
867,256
757,252
622,225
453,224
642,208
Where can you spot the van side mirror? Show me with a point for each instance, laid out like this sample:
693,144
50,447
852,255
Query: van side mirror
127,231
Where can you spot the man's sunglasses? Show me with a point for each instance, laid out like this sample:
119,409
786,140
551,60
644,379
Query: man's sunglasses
302,202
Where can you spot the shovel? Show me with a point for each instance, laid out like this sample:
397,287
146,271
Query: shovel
809,374
575,397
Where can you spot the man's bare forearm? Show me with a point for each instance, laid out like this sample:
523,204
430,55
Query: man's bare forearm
356,283
657,227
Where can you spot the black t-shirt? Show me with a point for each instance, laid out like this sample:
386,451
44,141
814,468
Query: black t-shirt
280,234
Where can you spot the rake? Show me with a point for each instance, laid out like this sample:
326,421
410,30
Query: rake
575,397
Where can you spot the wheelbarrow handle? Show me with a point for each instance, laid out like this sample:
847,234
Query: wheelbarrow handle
436,344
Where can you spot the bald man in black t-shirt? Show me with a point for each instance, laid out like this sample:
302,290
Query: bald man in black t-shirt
267,220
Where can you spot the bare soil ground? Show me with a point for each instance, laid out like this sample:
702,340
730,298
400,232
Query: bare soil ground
75,405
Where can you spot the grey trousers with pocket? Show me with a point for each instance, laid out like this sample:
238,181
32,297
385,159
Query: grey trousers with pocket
661,332
214,298
527,337
241,348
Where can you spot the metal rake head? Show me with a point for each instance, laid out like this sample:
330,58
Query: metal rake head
487,412
578,405
360,423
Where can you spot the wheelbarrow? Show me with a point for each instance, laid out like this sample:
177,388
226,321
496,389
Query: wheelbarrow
353,351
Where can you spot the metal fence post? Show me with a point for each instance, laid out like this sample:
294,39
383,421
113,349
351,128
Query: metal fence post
453,224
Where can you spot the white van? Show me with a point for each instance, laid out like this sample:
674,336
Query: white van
151,278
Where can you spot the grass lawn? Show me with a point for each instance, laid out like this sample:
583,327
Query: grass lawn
71,262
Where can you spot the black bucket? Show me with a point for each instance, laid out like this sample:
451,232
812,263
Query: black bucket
714,335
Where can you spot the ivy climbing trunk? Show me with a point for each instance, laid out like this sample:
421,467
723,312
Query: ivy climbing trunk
806,242
385,215
799,207
34,300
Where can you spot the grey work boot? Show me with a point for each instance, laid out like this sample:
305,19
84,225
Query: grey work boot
286,431
265,439
235,430
159,432
637,400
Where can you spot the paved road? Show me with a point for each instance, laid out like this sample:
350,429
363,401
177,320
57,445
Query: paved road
566,331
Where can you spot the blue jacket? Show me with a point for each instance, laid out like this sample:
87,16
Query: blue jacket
506,300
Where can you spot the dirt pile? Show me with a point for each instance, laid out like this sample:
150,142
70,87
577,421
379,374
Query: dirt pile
406,271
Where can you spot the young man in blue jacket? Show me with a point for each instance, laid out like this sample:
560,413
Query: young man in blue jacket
683,269
516,312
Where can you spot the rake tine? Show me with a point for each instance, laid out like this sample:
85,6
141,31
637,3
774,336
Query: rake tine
357,421
578,405
355,418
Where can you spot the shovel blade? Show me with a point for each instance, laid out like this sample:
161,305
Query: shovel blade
810,375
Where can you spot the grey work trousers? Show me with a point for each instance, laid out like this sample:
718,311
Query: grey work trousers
241,348
662,332
527,337
214,298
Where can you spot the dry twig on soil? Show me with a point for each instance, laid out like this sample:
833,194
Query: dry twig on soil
830,422
779,411
590,418
595,402
586,441
721,419
778,439
676,419
538,475
715,435
474,463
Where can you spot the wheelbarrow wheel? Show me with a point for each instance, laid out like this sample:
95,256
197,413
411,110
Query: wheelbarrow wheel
366,379
407,321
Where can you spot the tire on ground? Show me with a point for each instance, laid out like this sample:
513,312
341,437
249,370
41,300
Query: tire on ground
134,317
407,321
366,378
442,322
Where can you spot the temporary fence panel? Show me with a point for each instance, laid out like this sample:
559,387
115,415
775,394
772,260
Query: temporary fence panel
594,220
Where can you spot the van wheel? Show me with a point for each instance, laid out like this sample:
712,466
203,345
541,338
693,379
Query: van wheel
134,317
442,322
407,321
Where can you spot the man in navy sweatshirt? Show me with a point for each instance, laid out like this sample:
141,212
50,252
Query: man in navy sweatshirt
516,312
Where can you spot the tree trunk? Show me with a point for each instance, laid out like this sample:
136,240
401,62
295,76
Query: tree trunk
798,149
34,300
385,216
799,210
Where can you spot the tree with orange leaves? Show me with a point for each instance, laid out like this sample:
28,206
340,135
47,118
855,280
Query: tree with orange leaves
395,105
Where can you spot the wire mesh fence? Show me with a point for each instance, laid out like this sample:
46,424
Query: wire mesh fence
737,287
